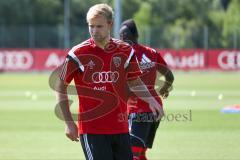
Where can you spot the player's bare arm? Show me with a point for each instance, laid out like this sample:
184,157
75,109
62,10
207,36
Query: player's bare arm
140,90
71,130
169,78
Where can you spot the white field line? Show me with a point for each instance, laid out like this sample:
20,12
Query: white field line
192,93
205,93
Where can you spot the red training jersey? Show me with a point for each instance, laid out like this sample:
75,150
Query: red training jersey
149,61
100,77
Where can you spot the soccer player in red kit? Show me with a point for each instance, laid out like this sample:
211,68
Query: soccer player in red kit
142,123
103,70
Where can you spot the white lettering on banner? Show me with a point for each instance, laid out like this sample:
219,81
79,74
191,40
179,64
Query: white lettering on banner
168,57
54,60
1,60
15,60
229,60
194,61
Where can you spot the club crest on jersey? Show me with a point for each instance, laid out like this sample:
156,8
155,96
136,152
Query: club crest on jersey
117,61
91,64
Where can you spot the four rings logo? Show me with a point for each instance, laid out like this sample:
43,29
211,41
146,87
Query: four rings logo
229,60
16,60
105,77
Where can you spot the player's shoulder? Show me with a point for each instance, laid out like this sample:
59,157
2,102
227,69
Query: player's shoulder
147,49
121,43
80,48
151,49
123,46
118,41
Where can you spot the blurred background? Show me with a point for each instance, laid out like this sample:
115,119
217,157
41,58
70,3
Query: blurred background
178,24
199,39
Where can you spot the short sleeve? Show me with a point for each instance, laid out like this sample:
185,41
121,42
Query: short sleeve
160,61
132,66
69,68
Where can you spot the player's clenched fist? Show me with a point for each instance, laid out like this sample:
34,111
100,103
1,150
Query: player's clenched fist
71,131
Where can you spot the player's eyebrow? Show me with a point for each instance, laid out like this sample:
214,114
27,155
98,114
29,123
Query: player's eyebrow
95,25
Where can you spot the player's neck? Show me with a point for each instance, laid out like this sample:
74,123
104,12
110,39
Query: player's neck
103,43
134,42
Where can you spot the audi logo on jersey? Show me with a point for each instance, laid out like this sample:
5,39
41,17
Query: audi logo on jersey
105,77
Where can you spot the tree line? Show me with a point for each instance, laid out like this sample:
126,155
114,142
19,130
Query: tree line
165,23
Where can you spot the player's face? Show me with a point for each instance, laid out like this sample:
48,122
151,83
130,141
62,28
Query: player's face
126,35
99,28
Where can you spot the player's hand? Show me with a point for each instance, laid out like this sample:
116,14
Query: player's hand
156,109
164,91
71,131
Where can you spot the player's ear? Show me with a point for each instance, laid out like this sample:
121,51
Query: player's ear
110,23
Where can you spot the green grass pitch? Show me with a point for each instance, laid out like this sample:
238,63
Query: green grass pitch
193,129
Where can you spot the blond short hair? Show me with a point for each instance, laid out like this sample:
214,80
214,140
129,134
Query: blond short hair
100,9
